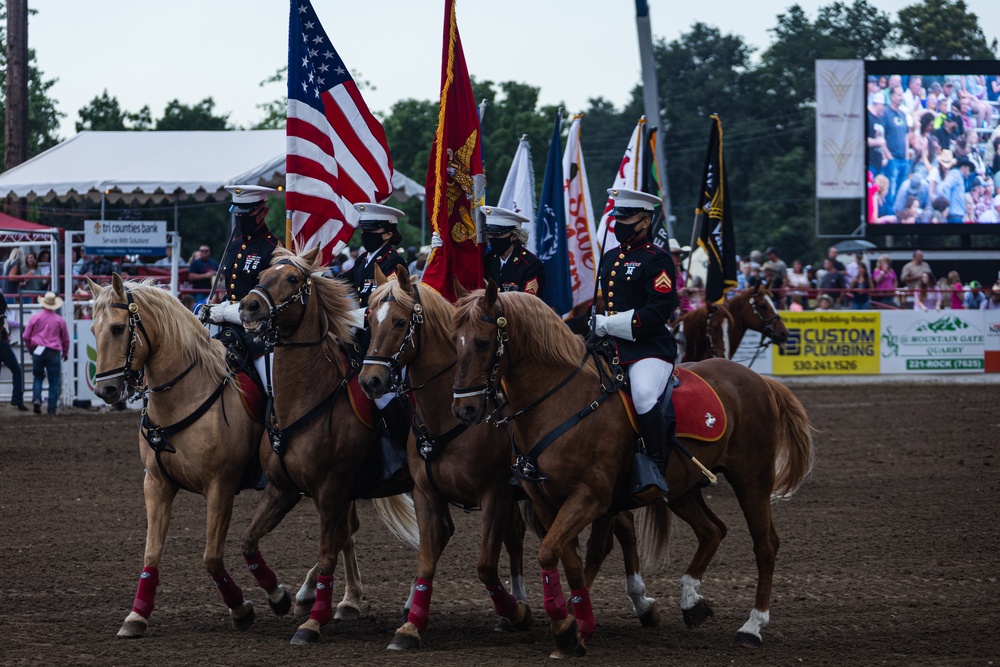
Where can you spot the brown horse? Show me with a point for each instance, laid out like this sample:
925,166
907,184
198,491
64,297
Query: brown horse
716,331
463,466
765,452
318,443
142,330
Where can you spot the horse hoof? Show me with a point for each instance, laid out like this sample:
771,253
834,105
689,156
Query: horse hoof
569,643
243,616
303,606
280,606
748,640
696,616
651,618
524,624
134,627
407,637
346,612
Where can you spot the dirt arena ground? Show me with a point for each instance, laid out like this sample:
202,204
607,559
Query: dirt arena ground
889,556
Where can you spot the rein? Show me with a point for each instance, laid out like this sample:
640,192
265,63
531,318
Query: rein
271,334
134,380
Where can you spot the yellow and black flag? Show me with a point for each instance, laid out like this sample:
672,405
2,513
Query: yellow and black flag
714,221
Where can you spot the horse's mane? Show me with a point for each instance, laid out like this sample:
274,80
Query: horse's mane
437,310
742,297
175,321
333,297
534,329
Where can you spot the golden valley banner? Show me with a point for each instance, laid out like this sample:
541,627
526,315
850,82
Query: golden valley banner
842,342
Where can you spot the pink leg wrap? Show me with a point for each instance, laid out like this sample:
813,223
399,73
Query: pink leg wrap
584,612
262,574
148,580
555,603
503,602
420,608
232,595
322,609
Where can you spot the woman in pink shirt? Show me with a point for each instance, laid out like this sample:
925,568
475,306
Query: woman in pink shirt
885,281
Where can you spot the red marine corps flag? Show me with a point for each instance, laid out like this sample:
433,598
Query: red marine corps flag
456,184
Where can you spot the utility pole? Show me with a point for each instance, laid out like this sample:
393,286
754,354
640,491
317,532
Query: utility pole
16,129
651,105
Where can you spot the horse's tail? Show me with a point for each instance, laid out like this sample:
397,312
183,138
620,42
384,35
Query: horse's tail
398,515
652,532
795,454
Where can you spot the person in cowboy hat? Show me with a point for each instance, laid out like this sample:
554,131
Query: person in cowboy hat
47,337
379,225
509,264
638,283
993,302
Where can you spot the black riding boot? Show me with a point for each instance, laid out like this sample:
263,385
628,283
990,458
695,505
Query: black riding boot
394,422
648,483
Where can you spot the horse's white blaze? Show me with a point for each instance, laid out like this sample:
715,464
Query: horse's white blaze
461,339
382,312
770,303
280,267
756,622
725,338
635,588
517,589
689,591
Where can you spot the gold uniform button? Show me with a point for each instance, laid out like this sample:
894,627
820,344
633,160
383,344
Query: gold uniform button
243,247
239,256
612,273
611,295
611,305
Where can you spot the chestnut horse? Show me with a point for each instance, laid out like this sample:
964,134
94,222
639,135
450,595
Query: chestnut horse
464,466
318,443
765,452
706,327
145,334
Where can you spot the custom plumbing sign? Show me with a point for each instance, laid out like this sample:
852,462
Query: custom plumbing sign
950,341
842,342
125,237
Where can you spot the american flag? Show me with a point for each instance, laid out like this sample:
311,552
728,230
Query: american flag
336,150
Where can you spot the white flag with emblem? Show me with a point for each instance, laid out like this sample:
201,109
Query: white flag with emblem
840,127
579,220
629,178
518,193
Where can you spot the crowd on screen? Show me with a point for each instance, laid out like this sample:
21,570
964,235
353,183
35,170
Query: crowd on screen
933,149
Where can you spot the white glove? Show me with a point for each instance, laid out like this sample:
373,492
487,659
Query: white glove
618,325
225,312
601,325
436,241
356,318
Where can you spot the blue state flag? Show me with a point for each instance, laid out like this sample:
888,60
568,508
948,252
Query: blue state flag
550,229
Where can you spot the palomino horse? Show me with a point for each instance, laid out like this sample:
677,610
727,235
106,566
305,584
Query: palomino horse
452,463
196,434
318,442
717,330
764,452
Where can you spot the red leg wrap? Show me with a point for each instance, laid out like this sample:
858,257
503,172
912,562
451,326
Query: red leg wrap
232,595
322,609
555,603
262,574
144,596
503,602
583,612
420,608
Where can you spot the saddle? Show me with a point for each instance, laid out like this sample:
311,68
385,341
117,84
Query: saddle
699,410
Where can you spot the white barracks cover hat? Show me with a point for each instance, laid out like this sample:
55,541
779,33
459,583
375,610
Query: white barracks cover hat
375,216
501,220
630,202
246,198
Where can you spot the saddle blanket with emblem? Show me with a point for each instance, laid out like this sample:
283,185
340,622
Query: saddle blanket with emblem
699,410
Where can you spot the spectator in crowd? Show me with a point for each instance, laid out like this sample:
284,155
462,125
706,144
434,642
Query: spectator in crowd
910,214
9,359
910,275
978,200
926,295
833,281
77,264
773,280
914,95
780,266
832,253
188,300
952,185
878,156
956,290
202,270
14,266
96,266
851,270
166,259
352,255
896,129
883,206
44,263
861,287
992,216
47,337
974,296
31,268
949,129
993,302
913,187
885,281
798,281
795,303
939,211
824,302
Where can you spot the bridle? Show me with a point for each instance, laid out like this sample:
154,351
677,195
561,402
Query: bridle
270,332
489,390
135,380
393,362
767,323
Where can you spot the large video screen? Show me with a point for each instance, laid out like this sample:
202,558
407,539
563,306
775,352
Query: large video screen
933,146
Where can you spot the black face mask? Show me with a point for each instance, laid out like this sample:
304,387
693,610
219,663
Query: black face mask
247,224
624,233
500,245
372,241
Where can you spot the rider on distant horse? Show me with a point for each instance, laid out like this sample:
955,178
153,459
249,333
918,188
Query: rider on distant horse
247,255
379,235
512,267
637,281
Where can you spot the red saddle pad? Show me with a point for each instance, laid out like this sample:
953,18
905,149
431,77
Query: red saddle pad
700,414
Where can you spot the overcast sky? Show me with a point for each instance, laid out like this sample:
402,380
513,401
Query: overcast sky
149,53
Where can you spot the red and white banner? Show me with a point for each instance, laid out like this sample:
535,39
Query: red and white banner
579,220
628,177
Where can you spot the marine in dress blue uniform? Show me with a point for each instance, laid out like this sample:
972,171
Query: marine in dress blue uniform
379,236
637,281
509,264
249,253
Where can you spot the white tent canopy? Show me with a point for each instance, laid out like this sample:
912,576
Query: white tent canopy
137,167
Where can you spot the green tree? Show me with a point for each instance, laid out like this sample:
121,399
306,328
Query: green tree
104,114
177,116
943,30
275,111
